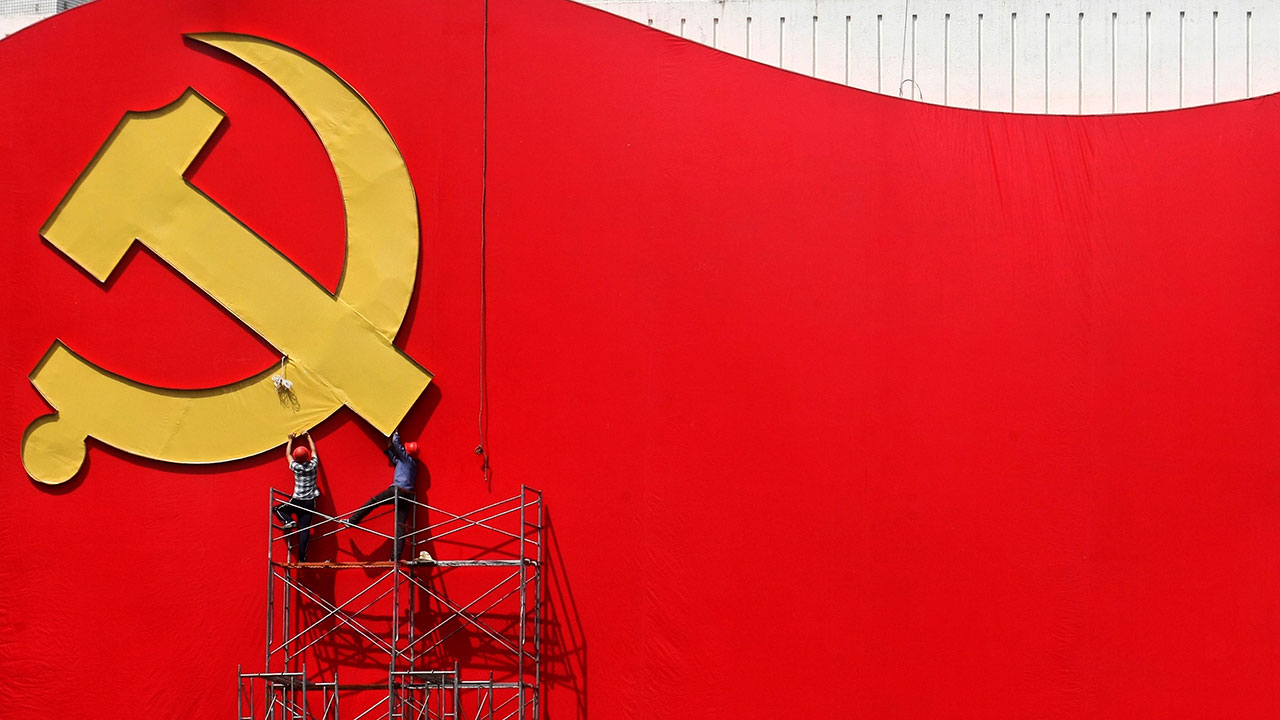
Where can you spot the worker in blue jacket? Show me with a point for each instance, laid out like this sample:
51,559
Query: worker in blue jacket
400,491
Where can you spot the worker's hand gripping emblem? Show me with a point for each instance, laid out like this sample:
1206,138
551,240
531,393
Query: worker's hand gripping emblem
340,353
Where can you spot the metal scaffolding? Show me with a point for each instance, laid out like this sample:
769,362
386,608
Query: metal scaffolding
406,647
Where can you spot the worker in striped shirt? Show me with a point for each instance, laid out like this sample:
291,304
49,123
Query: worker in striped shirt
305,465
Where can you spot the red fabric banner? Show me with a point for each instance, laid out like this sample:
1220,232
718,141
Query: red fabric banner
842,404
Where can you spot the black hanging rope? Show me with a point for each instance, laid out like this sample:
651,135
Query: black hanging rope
482,415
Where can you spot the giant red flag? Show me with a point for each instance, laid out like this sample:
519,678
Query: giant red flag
841,405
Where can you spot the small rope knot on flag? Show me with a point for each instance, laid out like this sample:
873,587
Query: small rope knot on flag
282,383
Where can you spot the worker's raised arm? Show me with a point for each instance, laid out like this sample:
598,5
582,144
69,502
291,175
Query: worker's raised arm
288,451
312,443
397,447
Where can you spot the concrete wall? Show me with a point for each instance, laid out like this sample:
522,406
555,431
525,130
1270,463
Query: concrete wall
1035,56
10,24
1058,56
17,14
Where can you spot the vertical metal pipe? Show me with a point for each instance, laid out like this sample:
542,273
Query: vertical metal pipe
1146,62
879,53
1248,53
1080,64
520,649
946,58
411,629
395,604
457,692
979,61
271,572
1182,45
1047,31
1113,62
537,613
1013,62
286,624
1214,64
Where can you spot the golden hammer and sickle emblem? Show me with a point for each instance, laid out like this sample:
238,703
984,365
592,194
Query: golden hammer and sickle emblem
341,352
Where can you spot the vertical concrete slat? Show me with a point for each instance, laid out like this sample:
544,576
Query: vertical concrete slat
797,38
1197,63
1027,65
1064,57
829,42
962,62
1165,36
997,50
1231,51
